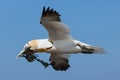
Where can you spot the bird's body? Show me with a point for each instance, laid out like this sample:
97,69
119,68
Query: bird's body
59,46
60,43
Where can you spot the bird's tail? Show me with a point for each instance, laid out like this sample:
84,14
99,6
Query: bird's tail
98,50
92,49
88,49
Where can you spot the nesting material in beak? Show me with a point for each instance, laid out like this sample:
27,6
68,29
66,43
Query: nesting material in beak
30,56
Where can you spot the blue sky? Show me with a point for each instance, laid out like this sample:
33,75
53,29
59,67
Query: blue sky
96,22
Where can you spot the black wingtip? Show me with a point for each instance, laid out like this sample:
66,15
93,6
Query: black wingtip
60,67
50,12
44,8
43,12
48,9
63,65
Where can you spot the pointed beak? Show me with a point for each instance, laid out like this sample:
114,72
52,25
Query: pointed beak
27,54
24,51
21,54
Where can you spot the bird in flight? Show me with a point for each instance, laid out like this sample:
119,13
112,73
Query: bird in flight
60,44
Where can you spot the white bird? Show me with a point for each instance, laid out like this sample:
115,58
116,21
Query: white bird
59,45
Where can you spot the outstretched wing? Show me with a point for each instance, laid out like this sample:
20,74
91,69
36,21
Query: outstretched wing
50,19
60,61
